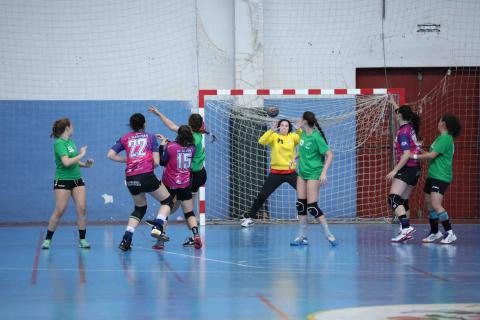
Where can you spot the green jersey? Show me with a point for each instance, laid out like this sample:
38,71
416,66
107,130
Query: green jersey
311,155
65,148
441,167
199,156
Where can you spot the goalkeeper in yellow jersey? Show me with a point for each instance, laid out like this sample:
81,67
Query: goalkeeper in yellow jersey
283,143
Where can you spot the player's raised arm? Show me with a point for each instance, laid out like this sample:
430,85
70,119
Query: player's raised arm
169,123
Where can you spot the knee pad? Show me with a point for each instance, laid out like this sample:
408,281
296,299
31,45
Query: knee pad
301,207
443,216
189,214
395,201
138,213
314,210
169,202
432,215
405,204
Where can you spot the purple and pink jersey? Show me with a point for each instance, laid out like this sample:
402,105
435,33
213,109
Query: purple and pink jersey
139,147
178,159
407,140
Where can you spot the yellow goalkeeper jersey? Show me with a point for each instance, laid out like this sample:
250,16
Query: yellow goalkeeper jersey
283,150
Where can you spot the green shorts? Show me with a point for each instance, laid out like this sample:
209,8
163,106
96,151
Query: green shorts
311,175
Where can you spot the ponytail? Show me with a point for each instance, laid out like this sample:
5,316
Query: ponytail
312,122
195,121
59,127
321,131
409,115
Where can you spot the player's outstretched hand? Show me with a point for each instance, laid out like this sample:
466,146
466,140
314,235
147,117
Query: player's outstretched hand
154,110
292,163
274,125
298,123
323,179
89,163
83,151
391,175
162,138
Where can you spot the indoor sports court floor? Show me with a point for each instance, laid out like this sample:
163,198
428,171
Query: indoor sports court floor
239,274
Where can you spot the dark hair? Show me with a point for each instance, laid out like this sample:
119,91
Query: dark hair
410,116
452,123
185,136
195,121
312,122
137,122
290,126
59,127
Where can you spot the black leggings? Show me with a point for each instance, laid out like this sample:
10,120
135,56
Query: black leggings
274,180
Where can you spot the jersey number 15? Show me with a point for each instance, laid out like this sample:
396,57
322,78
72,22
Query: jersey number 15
184,160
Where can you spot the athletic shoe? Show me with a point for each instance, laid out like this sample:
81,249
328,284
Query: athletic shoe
160,244
46,244
432,237
332,240
406,234
156,233
197,242
154,223
126,244
189,242
299,241
83,244
157,230
450,237
246,222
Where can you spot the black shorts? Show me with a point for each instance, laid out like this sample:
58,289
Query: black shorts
182,194
145,182
435,185
198,179
68,184
409,175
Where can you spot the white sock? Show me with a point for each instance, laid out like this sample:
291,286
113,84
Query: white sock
303,225
326,229
130,229
162,217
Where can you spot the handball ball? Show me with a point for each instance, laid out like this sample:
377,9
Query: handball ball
272,111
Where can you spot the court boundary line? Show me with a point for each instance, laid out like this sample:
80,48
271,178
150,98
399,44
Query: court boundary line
272,307
36,260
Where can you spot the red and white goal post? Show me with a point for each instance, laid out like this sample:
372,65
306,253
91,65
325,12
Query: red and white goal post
365,126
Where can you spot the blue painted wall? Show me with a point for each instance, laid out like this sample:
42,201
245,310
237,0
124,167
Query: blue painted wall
28,168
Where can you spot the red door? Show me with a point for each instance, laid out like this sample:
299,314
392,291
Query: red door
456,93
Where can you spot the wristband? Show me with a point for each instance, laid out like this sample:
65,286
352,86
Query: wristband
415,156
